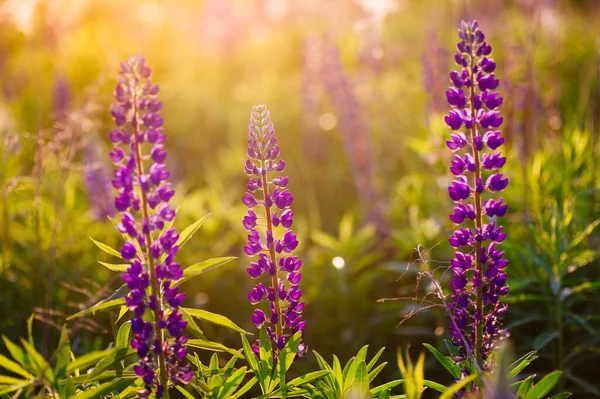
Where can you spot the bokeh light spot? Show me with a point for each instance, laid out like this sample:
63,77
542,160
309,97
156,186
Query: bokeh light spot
327,121
338,262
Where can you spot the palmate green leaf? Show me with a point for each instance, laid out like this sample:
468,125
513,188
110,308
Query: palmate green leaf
361,380
374,360
434,385
106,248
249,354
213,346
63,353
121,267
520,364
524,386
245,388
285,358
305,379
14,387
116,385
583,234
452,349
232,383
349,372
542,388
19,355
563,395
191,327
337,375
449,365
203,267
452,389
6,380
9,365
84,362
40,363
105,375
386,386
184,392
214,318
100,306
373,373
189,231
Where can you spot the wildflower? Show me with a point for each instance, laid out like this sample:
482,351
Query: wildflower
274,259
479,278
142,199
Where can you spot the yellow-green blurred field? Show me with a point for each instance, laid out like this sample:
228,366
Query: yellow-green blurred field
356,93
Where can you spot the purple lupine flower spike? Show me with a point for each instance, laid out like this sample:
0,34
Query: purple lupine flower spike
273,248
479,279
97,180
142,198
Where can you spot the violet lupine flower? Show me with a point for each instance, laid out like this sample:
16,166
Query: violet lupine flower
142,199
479,277
97,180
273,249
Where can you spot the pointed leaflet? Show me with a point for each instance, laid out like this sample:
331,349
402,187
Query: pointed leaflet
109,250
203,267
214,318
449,365
542,388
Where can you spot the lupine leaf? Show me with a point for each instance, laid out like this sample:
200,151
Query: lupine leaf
232,383
84,362
545,385
361,380
348,377
115,267
245,388
451,390
373,361
202,267
18,354
452,349
189,231
525,386
376,371
113,386
42,364
452,368
184,392
9,365
519,365
103,305
434,385
109,250
387,385
563,395
63,353
11,388
215,319
213,346
249,354
308,378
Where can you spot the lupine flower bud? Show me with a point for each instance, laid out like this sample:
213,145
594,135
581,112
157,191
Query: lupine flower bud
478,282
283,295
143,195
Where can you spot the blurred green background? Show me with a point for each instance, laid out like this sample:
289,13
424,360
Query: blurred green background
356,92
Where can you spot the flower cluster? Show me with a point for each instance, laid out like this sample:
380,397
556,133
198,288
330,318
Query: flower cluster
479,278
274,252
142,199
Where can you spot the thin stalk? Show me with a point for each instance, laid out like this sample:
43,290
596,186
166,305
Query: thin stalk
561,339
274,282
153,280
478,223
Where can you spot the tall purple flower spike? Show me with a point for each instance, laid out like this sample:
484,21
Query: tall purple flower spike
142,199
479,276
273,248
